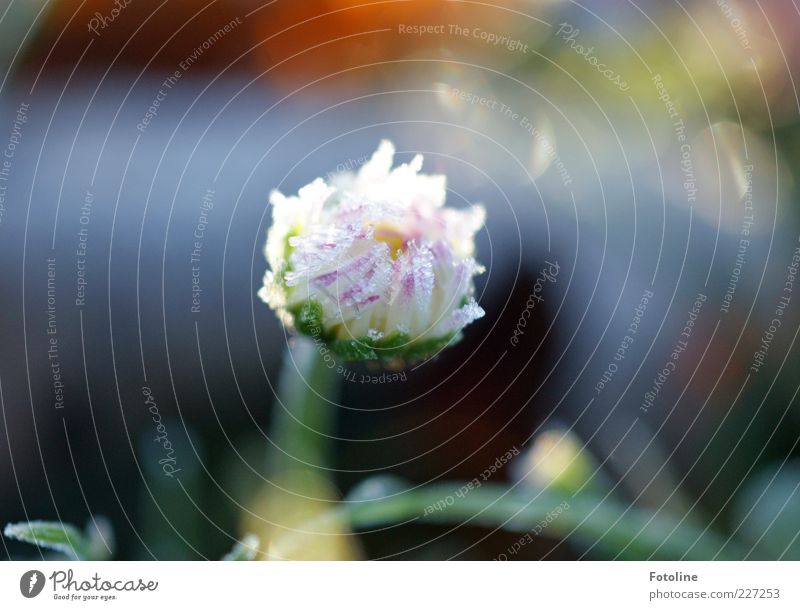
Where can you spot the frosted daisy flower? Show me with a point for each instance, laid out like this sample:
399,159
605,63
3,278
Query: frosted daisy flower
373,264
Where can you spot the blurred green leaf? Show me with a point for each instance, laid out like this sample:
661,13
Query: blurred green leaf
767,512
244,550
601,524
95,544
560,461
377,488
101,539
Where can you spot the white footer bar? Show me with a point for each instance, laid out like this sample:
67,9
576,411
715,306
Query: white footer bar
402,585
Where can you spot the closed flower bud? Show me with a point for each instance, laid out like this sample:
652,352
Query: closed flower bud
373,264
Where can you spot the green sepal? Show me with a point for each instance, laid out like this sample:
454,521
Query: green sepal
308,318
424,348
396,346
354,350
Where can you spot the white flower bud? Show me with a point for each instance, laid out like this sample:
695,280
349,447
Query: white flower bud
374,264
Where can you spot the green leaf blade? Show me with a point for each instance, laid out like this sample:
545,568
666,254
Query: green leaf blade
96,544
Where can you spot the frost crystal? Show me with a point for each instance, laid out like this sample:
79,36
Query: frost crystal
373,263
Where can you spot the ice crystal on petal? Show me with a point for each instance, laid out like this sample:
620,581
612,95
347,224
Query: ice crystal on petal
414,269
465,314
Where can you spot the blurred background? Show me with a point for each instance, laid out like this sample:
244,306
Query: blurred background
647,148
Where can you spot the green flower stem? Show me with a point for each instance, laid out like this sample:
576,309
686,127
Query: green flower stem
589,521
302,424
303,419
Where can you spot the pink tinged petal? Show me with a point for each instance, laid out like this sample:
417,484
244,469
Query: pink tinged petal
408,285
373,265
465,270
351,296
319,250
465,315
355,297
443,254
364,279
417,277
326,279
